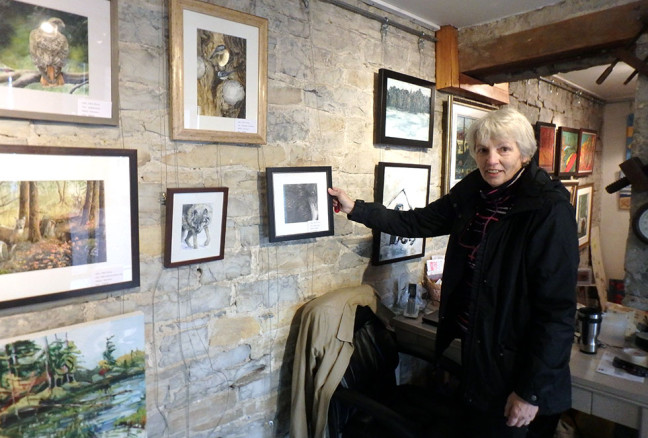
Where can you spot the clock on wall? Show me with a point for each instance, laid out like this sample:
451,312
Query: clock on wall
640,223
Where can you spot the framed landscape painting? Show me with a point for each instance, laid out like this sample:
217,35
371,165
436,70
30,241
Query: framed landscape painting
405,110
400,187
68,222
567,151
58,60
586,150
584,197
299,206
457,161
81,380
546,153
195,225
218,73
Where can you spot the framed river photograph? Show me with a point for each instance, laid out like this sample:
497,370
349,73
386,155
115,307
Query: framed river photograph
400,187
58,60
405,110
299,206
75,379
584,197
195,225
68,222
460,113
218,74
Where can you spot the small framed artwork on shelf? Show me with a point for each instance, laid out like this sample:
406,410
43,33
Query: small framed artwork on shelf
567,152
584,195
405,110
546,153
586,149
457,160
195,225
400,187
59,61
218,73
68,222
299,206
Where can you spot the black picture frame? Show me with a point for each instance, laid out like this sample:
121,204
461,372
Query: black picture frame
299,206
195,225
402,187
87,212
567,152
404,102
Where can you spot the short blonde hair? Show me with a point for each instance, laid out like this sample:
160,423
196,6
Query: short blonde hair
507,123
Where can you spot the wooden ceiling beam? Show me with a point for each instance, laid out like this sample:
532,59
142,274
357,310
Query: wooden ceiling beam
586,35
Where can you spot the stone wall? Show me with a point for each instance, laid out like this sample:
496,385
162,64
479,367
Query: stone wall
220,335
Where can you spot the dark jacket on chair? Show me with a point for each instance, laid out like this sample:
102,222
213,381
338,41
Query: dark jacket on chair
522,301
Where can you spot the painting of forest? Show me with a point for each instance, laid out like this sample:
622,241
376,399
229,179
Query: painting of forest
51,224
86,380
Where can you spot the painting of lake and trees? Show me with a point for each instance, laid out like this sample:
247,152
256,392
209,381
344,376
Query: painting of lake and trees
51,224
86,380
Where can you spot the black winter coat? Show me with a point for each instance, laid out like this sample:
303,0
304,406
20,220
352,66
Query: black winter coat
523,299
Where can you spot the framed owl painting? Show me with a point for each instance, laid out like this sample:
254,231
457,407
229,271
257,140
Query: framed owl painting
59,61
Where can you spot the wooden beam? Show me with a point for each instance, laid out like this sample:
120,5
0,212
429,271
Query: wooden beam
449,79
579,36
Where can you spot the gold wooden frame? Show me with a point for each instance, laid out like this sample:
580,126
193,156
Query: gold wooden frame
186,18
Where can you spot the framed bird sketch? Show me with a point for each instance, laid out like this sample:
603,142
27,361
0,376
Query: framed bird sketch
195,225
299,206
457,161
400,187
68,222
584,198
405,110
58,60
219,73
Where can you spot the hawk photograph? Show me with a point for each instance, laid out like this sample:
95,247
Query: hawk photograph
43,49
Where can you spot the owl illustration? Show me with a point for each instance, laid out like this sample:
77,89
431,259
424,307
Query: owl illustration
49,50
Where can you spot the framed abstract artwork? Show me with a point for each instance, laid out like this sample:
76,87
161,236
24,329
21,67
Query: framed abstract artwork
68,222
546,139
586,149
195,225
567,152
405,110
75,379
218,73
299,206
584,197
400,187
458,162
59,61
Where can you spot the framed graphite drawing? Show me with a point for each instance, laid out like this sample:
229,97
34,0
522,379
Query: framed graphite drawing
59,61
299,206
405,110
571,186
457,159
195,225
586,149
584,195
71,380
566,151
218,73
68,222
400,187
546,153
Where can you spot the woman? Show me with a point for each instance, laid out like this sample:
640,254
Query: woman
509,278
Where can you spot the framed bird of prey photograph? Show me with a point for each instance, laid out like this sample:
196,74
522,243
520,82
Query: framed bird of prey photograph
218,73
58,60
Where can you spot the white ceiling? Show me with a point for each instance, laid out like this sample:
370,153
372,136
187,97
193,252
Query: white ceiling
464,13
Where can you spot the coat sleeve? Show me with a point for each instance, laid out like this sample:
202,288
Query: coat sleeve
552,267
435,219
